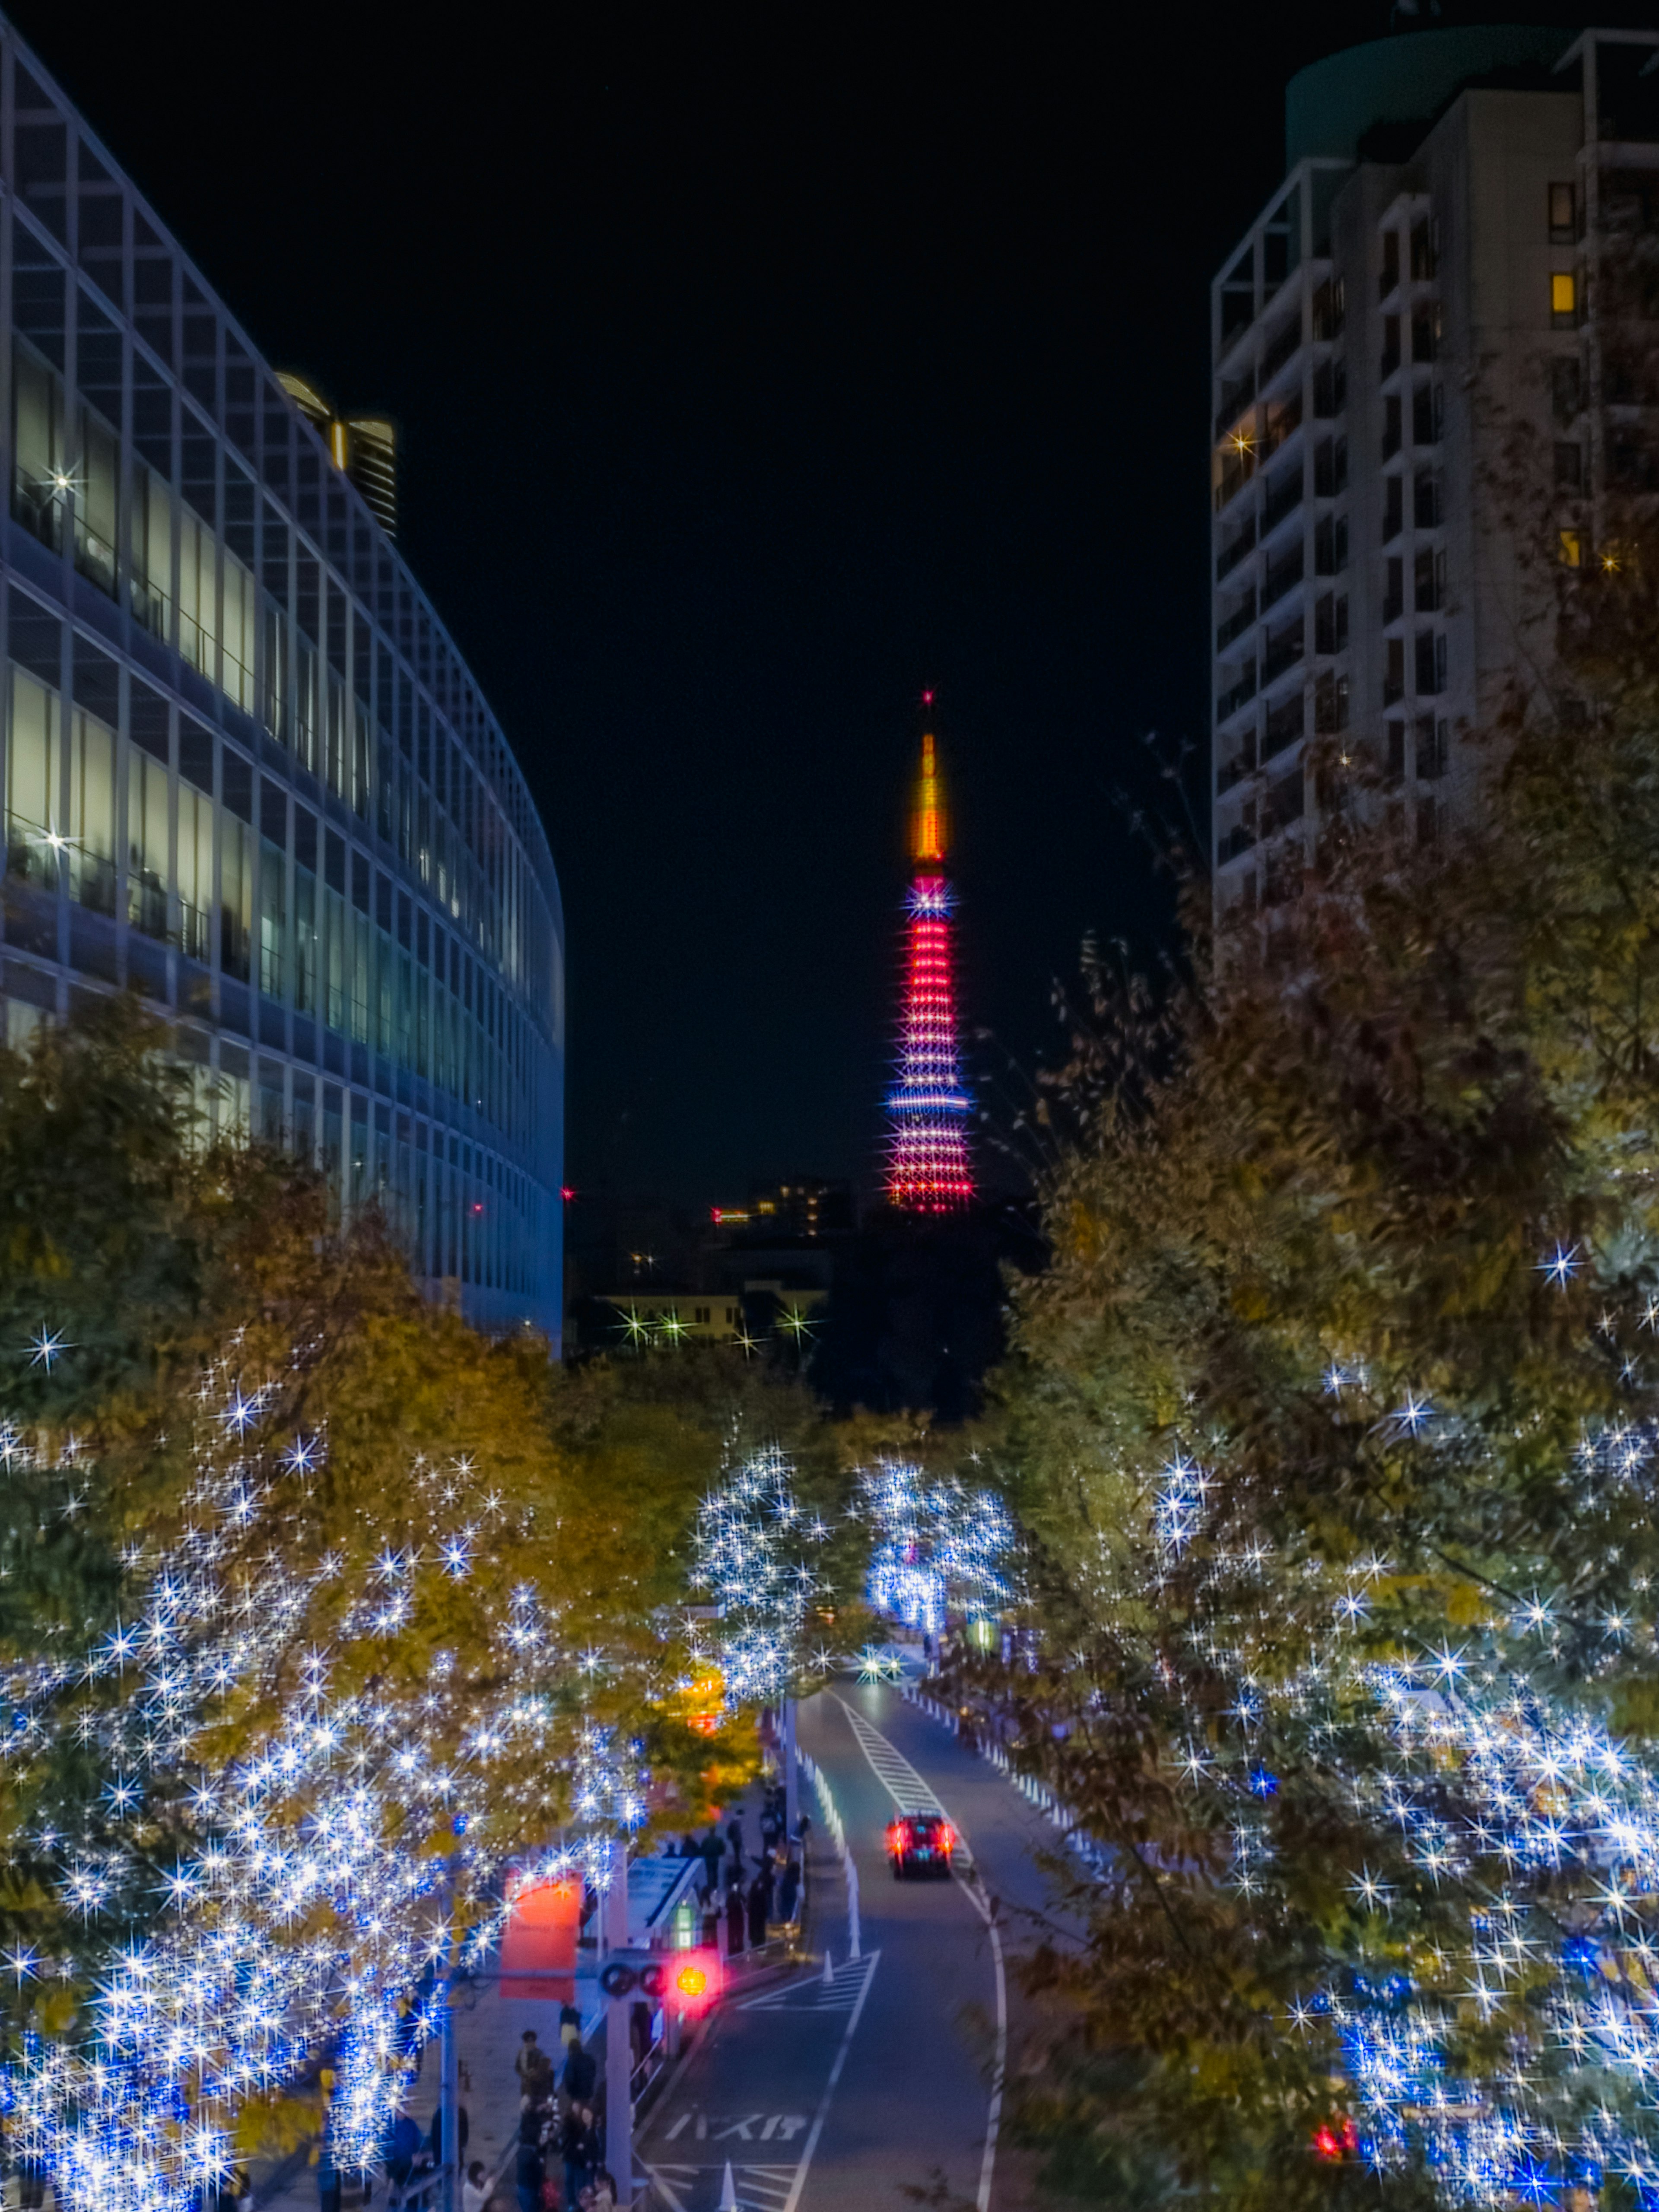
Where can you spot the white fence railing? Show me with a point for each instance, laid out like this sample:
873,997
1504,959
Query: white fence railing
989,1748
832,1820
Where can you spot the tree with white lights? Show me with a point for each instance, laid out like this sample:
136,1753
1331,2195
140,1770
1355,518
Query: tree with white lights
1332,1432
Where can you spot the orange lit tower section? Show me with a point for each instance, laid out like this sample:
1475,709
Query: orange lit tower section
927,1170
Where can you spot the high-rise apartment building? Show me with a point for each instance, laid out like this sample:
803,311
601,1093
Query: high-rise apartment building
246,772
1413,296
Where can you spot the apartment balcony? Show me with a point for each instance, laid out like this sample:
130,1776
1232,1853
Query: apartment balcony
1282,498
1230,701
1236,393
1236,623
1281,425
1285,651
1284,725
1282,576
1281,348
1237,471
1229,556
1232,842
1234,771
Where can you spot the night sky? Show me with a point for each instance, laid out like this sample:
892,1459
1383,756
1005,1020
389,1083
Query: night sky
756,370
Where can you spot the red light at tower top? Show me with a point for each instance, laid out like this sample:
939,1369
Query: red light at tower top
927,1169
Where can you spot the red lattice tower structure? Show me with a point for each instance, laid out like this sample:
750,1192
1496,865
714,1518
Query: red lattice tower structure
929,1106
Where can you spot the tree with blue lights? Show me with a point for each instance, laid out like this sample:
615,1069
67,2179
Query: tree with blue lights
1333,1429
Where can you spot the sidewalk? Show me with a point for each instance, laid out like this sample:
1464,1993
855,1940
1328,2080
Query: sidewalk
490,2028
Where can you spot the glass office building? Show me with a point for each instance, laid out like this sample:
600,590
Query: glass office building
245,773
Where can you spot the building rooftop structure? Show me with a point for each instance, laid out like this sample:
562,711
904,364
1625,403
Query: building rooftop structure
246,772
1412,308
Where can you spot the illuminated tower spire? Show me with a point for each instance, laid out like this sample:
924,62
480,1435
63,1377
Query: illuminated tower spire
927,1170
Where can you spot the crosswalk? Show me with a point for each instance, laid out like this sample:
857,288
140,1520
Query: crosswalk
907,1789
843,1992
700,2188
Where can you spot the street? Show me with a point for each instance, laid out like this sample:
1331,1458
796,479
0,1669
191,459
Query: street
833,2096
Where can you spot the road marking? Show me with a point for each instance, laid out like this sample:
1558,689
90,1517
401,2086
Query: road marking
908,1790
760,2188
911,1794
822,2114
838,1994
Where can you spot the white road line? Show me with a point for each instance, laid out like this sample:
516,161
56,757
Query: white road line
823,2112
908,1790
896,1775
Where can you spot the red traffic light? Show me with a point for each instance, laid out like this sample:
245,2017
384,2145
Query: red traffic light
694,1980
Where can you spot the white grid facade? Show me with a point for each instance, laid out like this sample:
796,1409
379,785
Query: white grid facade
246,772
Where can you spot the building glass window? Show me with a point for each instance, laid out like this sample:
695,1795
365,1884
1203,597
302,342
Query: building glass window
152,552
240,618
147,844
236,877
273,919
195,871
40,474
305,941
197,625
338,960
1564,300
305,715
96,485
31,782
1563,203
92,815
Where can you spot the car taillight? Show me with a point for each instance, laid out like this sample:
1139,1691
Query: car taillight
947,1840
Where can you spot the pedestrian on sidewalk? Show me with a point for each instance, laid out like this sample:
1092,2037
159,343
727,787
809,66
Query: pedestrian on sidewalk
733,1920
581,2073
734,1837
602,2197
759,1897
475,2190
570,2027
329,2191
435,2135
789,1891
713,1851
579,2147
533,2067
529,2171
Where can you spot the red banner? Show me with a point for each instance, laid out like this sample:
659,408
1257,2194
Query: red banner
538,1944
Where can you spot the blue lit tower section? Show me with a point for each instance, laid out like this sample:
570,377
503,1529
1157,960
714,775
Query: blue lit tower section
928,1168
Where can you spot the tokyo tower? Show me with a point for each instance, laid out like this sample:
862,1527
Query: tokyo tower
927,1170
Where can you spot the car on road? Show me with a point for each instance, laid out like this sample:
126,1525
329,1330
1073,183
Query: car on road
920,1844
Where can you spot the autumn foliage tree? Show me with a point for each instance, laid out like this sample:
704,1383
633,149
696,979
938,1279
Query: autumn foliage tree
1341,1389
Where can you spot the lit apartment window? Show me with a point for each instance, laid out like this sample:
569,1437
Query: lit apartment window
1569,547
1564,300
1563,214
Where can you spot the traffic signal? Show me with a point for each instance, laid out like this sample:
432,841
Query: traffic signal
694,1980
688,1980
